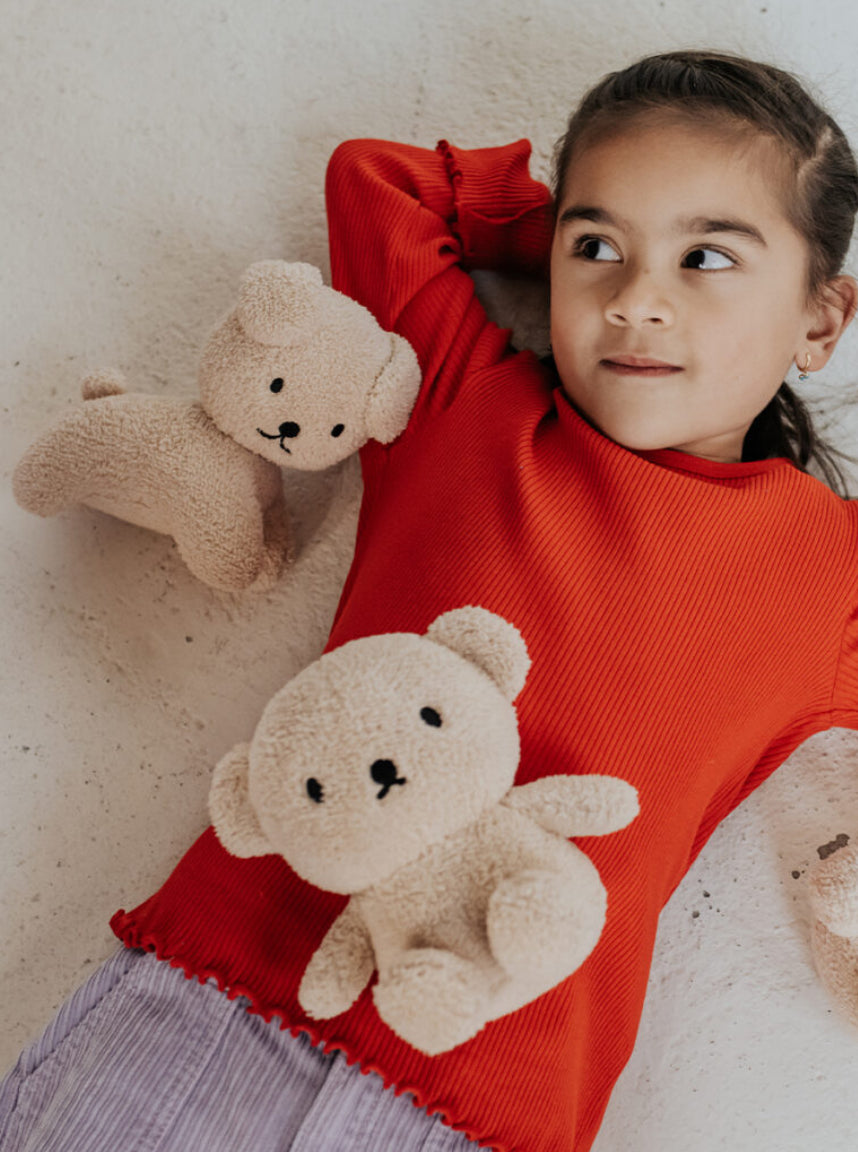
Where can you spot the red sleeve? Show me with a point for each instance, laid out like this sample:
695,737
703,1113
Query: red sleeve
406,223
844,700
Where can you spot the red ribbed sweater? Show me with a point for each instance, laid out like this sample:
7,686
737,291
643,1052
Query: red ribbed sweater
690,623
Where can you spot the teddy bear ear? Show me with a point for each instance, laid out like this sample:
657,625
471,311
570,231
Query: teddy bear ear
232,815
393,392
277,301
487,640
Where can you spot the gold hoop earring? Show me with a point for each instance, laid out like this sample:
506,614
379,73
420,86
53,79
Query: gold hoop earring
805,371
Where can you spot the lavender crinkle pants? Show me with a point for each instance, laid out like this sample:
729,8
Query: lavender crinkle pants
144,1060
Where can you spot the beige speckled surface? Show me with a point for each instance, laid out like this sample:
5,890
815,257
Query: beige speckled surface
150,153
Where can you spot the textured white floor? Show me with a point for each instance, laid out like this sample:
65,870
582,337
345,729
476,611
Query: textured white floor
151,151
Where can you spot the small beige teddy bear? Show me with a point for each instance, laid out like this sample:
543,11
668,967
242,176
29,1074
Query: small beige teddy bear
834,937
297,375
384,771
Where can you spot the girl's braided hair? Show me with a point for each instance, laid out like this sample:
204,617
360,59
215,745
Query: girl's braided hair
820,201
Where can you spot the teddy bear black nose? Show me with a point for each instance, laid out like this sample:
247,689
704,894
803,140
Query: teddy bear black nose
384,772
290,429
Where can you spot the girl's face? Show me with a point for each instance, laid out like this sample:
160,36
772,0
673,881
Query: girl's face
679,288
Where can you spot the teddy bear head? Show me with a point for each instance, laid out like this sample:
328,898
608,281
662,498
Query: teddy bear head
303,375
378,750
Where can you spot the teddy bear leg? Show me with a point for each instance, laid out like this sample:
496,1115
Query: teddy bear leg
51,475
541,925
432,999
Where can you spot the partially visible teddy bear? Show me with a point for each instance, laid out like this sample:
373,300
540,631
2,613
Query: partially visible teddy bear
384,771
297,375
834,935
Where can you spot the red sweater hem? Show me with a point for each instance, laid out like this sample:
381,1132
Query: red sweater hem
129,933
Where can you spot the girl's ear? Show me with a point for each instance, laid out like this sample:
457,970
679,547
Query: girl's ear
831,316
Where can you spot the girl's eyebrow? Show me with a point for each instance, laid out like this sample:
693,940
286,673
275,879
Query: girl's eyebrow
706,224
594,215
686,224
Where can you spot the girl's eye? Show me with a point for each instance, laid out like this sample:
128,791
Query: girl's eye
592,248
708,260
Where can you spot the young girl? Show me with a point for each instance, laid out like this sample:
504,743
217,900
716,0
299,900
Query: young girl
638,507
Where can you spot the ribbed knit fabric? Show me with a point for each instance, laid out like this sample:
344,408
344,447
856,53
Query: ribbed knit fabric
689,622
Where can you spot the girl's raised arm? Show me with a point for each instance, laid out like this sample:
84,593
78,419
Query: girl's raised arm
407,223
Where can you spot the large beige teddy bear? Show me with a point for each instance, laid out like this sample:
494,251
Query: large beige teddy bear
296,375
834,936
384,771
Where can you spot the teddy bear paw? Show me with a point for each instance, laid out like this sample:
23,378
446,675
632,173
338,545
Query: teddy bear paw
836,959
539,928
834,891
432,999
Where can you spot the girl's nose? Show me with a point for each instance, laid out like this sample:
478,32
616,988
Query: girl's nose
639,301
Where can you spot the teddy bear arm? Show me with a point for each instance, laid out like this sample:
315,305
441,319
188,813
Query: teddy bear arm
576,805
339,969
277,550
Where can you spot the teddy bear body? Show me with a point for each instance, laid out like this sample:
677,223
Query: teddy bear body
297,376
499,912
385,771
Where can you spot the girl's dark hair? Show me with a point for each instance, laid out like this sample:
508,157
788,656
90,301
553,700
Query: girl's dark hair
820,203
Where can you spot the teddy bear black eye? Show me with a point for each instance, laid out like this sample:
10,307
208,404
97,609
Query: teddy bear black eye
315,790
338,429
276,385
430,717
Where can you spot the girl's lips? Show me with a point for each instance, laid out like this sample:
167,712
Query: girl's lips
639,366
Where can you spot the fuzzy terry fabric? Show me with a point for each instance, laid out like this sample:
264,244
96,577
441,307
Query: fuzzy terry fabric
208,473
164,464
689,622
465,893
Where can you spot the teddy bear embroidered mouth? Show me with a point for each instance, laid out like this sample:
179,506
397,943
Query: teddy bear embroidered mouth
289,430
